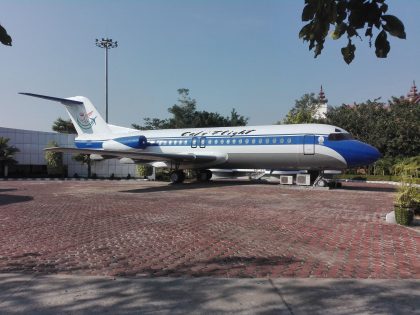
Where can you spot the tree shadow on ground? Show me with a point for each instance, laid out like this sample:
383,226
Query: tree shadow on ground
2,190
106,295
6,199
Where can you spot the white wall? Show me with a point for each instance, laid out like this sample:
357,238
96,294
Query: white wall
32,143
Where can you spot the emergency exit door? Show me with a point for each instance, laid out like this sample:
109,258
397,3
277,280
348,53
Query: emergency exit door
309,144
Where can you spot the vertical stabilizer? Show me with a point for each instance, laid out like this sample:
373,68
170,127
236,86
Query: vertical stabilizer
84,116
86,119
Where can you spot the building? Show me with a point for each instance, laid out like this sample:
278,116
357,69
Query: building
31,158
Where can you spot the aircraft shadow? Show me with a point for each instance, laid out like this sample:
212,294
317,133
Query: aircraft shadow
193,185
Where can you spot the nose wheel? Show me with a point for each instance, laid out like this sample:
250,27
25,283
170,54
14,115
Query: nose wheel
177,177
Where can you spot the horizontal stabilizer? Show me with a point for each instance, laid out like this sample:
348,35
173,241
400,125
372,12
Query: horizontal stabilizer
64,101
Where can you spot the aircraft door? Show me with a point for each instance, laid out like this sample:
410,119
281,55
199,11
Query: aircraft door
194,142
309,144
198,142
202,142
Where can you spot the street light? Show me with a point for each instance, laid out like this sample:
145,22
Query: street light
106,43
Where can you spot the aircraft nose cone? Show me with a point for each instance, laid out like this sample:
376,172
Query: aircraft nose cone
363,154
372,154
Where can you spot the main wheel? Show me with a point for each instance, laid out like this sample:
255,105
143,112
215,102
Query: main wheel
177,177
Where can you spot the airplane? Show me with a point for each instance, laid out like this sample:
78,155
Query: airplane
312,147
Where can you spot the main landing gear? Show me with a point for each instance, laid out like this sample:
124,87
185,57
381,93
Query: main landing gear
177,176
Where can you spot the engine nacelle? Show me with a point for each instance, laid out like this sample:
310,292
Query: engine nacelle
125,143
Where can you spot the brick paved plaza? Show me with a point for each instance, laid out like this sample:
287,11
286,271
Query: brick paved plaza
221,229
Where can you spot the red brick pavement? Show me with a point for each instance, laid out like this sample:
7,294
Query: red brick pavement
221,229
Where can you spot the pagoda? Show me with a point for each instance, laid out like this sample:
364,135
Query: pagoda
322,108
413,96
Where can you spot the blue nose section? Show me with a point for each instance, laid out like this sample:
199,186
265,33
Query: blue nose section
356,153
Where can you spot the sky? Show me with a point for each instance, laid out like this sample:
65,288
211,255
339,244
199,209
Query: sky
238,54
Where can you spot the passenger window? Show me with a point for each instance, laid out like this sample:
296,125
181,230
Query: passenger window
240,141
260,140
246,140
209,141
267,141
281,140
289,140
253,141
234,141
274,140
228,141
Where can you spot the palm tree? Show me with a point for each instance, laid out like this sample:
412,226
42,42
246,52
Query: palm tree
6,155
64,126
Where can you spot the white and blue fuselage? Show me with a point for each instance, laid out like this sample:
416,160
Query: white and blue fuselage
286,147
276,147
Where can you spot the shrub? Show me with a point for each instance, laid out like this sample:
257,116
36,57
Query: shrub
405,201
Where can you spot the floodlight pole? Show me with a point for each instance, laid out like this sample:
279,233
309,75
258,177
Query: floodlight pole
106,43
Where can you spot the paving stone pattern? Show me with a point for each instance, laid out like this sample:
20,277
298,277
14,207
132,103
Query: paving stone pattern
217,229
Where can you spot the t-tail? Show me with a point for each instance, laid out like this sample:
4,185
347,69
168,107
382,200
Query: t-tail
86,119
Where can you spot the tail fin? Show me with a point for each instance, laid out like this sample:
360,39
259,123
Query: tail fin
83,114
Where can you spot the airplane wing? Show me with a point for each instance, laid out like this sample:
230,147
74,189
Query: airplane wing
140,156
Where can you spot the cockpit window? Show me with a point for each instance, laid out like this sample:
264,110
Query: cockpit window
339,136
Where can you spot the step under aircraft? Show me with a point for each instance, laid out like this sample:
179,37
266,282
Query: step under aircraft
311,147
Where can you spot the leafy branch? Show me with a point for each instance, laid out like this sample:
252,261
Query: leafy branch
349,17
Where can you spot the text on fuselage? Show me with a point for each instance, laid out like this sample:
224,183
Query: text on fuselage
217,133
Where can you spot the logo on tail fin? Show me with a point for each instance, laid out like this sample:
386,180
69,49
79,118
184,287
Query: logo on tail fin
85,121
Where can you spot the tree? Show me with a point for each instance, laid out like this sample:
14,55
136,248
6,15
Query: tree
7,153
349,17
304,110
64,126
5,38
186,115
366,122
392,128
54,160
84,159
403,128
